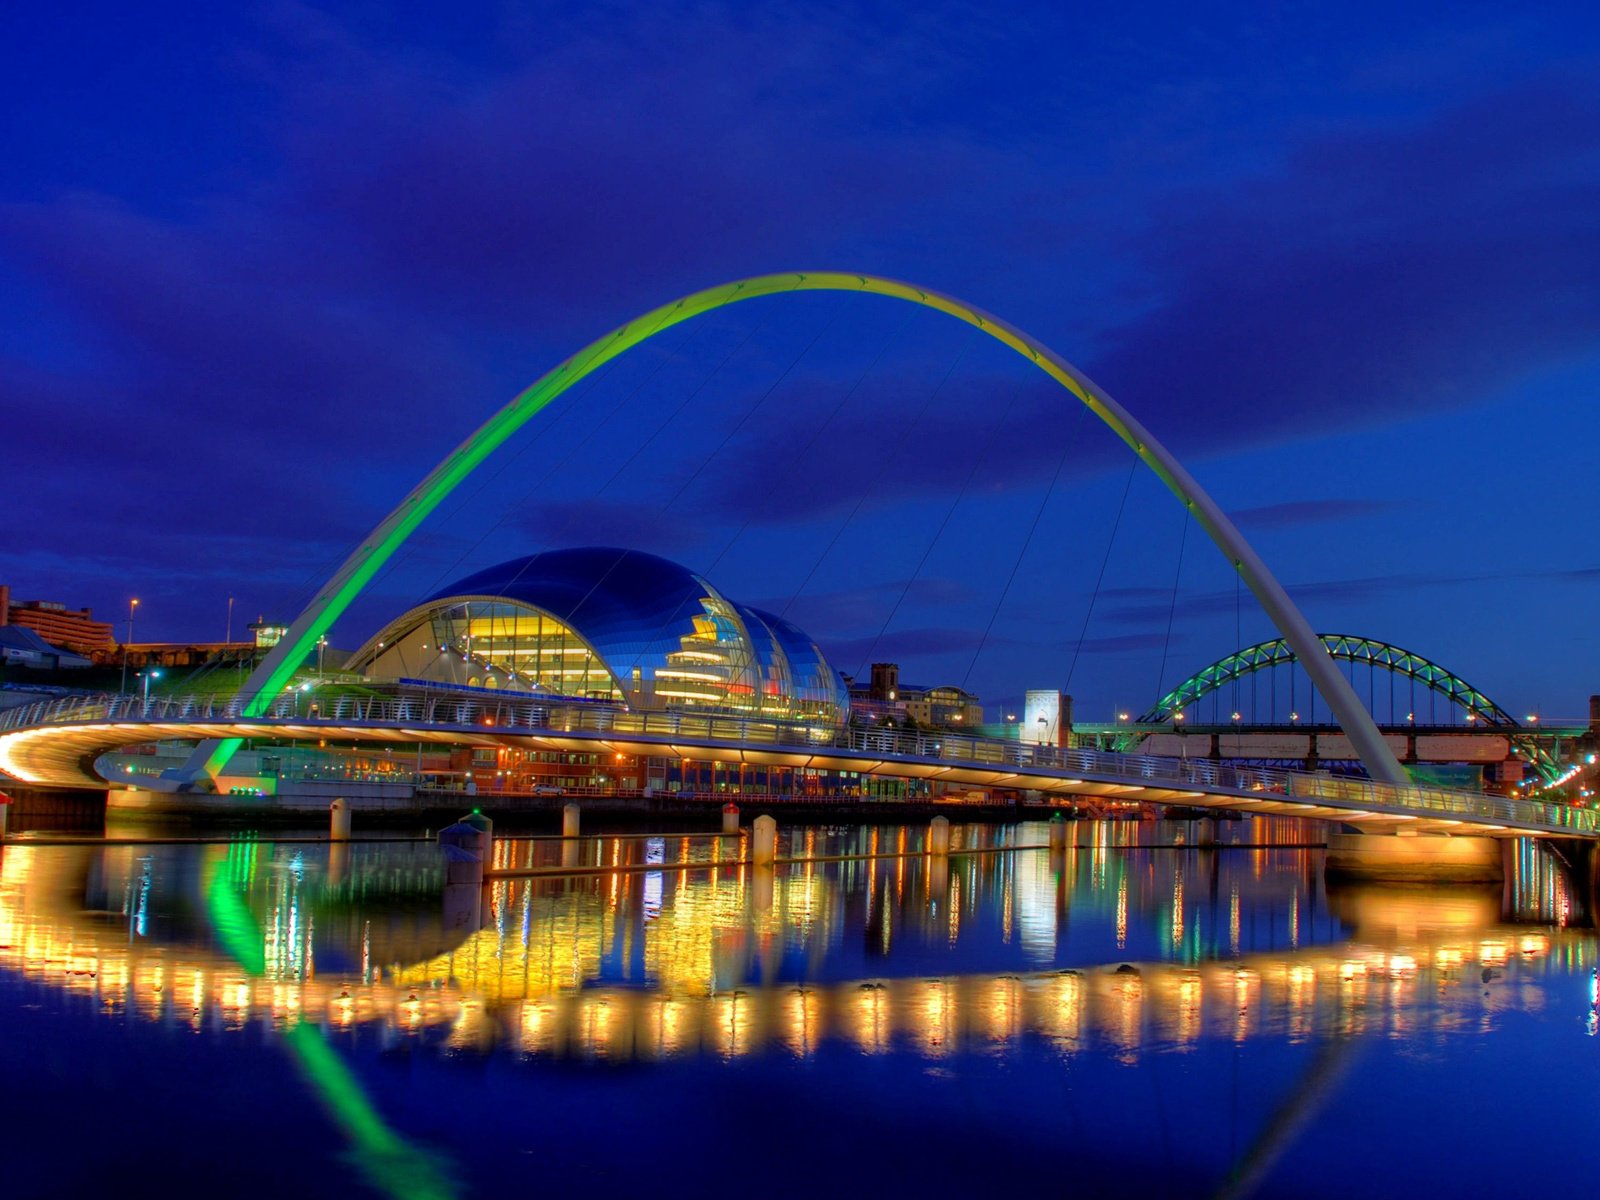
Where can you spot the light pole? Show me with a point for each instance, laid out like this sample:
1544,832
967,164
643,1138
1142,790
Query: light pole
322,646
132,604
228,637
147,675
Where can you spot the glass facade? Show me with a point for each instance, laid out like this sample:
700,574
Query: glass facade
610,625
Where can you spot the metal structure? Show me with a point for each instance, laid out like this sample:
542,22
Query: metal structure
53,741
275,671
1346,647
1342,647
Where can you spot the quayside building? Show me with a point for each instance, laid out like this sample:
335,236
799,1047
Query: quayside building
597,626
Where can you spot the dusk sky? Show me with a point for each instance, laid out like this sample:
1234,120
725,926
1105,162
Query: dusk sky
262,266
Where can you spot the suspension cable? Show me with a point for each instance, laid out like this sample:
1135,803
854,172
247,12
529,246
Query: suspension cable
1027,541
1077,649
972,472
1172,609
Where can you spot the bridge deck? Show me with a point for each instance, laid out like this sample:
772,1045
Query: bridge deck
51,742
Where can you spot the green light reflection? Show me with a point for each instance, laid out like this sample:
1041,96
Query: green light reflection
383,1156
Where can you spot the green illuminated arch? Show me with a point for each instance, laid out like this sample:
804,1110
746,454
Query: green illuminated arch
1345,647
275,671
1342,647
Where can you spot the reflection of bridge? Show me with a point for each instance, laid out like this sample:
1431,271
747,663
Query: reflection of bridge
51,742
1415,965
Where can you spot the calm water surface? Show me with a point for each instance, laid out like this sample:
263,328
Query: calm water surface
271,1018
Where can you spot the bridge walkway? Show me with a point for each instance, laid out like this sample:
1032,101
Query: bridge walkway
52,741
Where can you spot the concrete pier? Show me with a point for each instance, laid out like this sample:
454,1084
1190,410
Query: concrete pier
569,820
1058,834
764,841
939,836
465,859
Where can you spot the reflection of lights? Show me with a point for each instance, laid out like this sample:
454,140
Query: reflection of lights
871,1023
801,1025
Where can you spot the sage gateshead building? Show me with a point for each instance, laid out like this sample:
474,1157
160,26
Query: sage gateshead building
613,626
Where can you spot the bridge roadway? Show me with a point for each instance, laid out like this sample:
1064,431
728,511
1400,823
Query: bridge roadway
53,742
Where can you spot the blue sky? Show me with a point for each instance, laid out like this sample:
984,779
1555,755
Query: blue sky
260,267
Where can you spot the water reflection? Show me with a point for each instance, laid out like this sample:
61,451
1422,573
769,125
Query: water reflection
1129,950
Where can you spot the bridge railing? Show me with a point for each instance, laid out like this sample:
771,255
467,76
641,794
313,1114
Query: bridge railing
513,714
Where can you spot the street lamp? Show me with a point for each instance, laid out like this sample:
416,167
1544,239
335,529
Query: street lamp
132,604
322,646
147,675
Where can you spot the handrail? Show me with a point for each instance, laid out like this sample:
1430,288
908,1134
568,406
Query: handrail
515,713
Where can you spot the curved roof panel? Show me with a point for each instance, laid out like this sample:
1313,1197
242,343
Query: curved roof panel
631,606
665,635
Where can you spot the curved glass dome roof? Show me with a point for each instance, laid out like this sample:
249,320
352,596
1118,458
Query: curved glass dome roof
609,624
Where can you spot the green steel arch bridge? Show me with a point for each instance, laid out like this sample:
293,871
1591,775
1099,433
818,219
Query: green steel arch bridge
1476,708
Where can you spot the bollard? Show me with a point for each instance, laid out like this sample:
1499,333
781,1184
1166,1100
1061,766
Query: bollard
485,828
1058,834
730,818
339,820
764,841
464,862
569,821
939,836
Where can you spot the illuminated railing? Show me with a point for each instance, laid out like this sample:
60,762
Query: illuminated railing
516,714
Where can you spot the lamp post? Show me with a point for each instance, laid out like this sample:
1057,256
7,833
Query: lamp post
228,636
132,604
322,646
147,675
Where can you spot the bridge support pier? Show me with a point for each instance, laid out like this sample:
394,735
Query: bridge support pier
1058,835
466,849
1417,858
939,836
764,841
569,821
339,820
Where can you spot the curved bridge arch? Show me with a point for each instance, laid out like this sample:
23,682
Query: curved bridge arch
275,671
1342,647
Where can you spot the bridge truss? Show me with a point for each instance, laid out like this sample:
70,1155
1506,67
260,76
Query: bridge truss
1351,648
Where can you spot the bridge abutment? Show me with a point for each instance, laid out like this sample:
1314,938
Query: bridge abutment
1416,858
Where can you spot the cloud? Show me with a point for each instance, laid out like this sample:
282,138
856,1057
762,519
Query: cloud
1380,274
1308,512
605,523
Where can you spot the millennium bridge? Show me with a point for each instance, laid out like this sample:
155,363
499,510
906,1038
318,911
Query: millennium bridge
55,742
